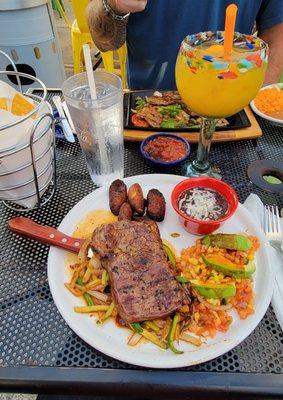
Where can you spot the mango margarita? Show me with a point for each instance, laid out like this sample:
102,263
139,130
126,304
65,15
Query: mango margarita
213,87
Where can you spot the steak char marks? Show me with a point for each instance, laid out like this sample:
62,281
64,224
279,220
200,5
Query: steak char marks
142,281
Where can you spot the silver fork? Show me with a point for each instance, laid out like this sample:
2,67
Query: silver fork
272,227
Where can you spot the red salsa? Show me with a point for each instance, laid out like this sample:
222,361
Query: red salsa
166,149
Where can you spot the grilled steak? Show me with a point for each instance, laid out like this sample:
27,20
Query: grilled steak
151,115
142,282
167,98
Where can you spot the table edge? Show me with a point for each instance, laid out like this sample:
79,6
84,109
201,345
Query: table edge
157,383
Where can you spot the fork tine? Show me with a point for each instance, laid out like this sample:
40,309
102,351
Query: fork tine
273,221
269,219
278,220
272,227
265,219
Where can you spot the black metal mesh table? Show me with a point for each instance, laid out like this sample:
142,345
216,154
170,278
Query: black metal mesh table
35,342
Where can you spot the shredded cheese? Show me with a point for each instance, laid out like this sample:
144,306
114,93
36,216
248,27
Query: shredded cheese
269,100
203,204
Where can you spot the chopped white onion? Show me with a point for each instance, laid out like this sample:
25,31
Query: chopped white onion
83,251
134,339
94,262
187,337
98,295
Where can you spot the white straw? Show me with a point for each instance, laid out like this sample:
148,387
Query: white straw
93,94
89,72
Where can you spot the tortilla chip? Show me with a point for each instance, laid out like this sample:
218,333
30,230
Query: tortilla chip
3,103
20,106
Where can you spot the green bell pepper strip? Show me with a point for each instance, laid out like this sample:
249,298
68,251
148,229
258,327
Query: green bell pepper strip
86,296
194,126
152,325
88,299
171,335
137,327
170,255
79,281
104,278
148,335
108,312
182,279
172,110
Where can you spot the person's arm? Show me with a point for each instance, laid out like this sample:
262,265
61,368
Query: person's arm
270,29
274,38
107,32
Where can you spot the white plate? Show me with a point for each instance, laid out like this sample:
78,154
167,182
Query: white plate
274,121
111,340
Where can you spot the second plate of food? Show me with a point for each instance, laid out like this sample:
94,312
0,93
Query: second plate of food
165,111
268,104
227,329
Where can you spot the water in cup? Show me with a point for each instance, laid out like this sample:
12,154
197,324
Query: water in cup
99,126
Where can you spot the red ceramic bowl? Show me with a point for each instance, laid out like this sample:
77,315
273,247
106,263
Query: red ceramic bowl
200,227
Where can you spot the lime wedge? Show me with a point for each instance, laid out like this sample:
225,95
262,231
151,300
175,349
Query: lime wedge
272,179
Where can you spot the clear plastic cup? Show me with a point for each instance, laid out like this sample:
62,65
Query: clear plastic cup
98,123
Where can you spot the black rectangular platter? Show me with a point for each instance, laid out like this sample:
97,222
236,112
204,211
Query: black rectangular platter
237,121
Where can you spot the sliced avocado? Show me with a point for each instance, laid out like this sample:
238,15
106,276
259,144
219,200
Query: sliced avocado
214,291
222,264
228,241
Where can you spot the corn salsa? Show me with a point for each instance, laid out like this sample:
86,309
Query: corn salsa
209,315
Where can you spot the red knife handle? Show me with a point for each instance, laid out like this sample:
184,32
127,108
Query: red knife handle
44,234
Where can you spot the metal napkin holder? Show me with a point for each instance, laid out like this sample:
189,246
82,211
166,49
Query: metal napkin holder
47,195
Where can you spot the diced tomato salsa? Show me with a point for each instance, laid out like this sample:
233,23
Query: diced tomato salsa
206,322
244,299
166,149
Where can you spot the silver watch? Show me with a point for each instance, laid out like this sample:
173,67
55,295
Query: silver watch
109,10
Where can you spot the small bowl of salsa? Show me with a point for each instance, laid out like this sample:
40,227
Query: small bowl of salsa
165,149
203,204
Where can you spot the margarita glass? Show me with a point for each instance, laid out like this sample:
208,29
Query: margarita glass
215,87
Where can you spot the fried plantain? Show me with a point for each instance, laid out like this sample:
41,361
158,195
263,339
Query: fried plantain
135,197
125,213
117,195
156,205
